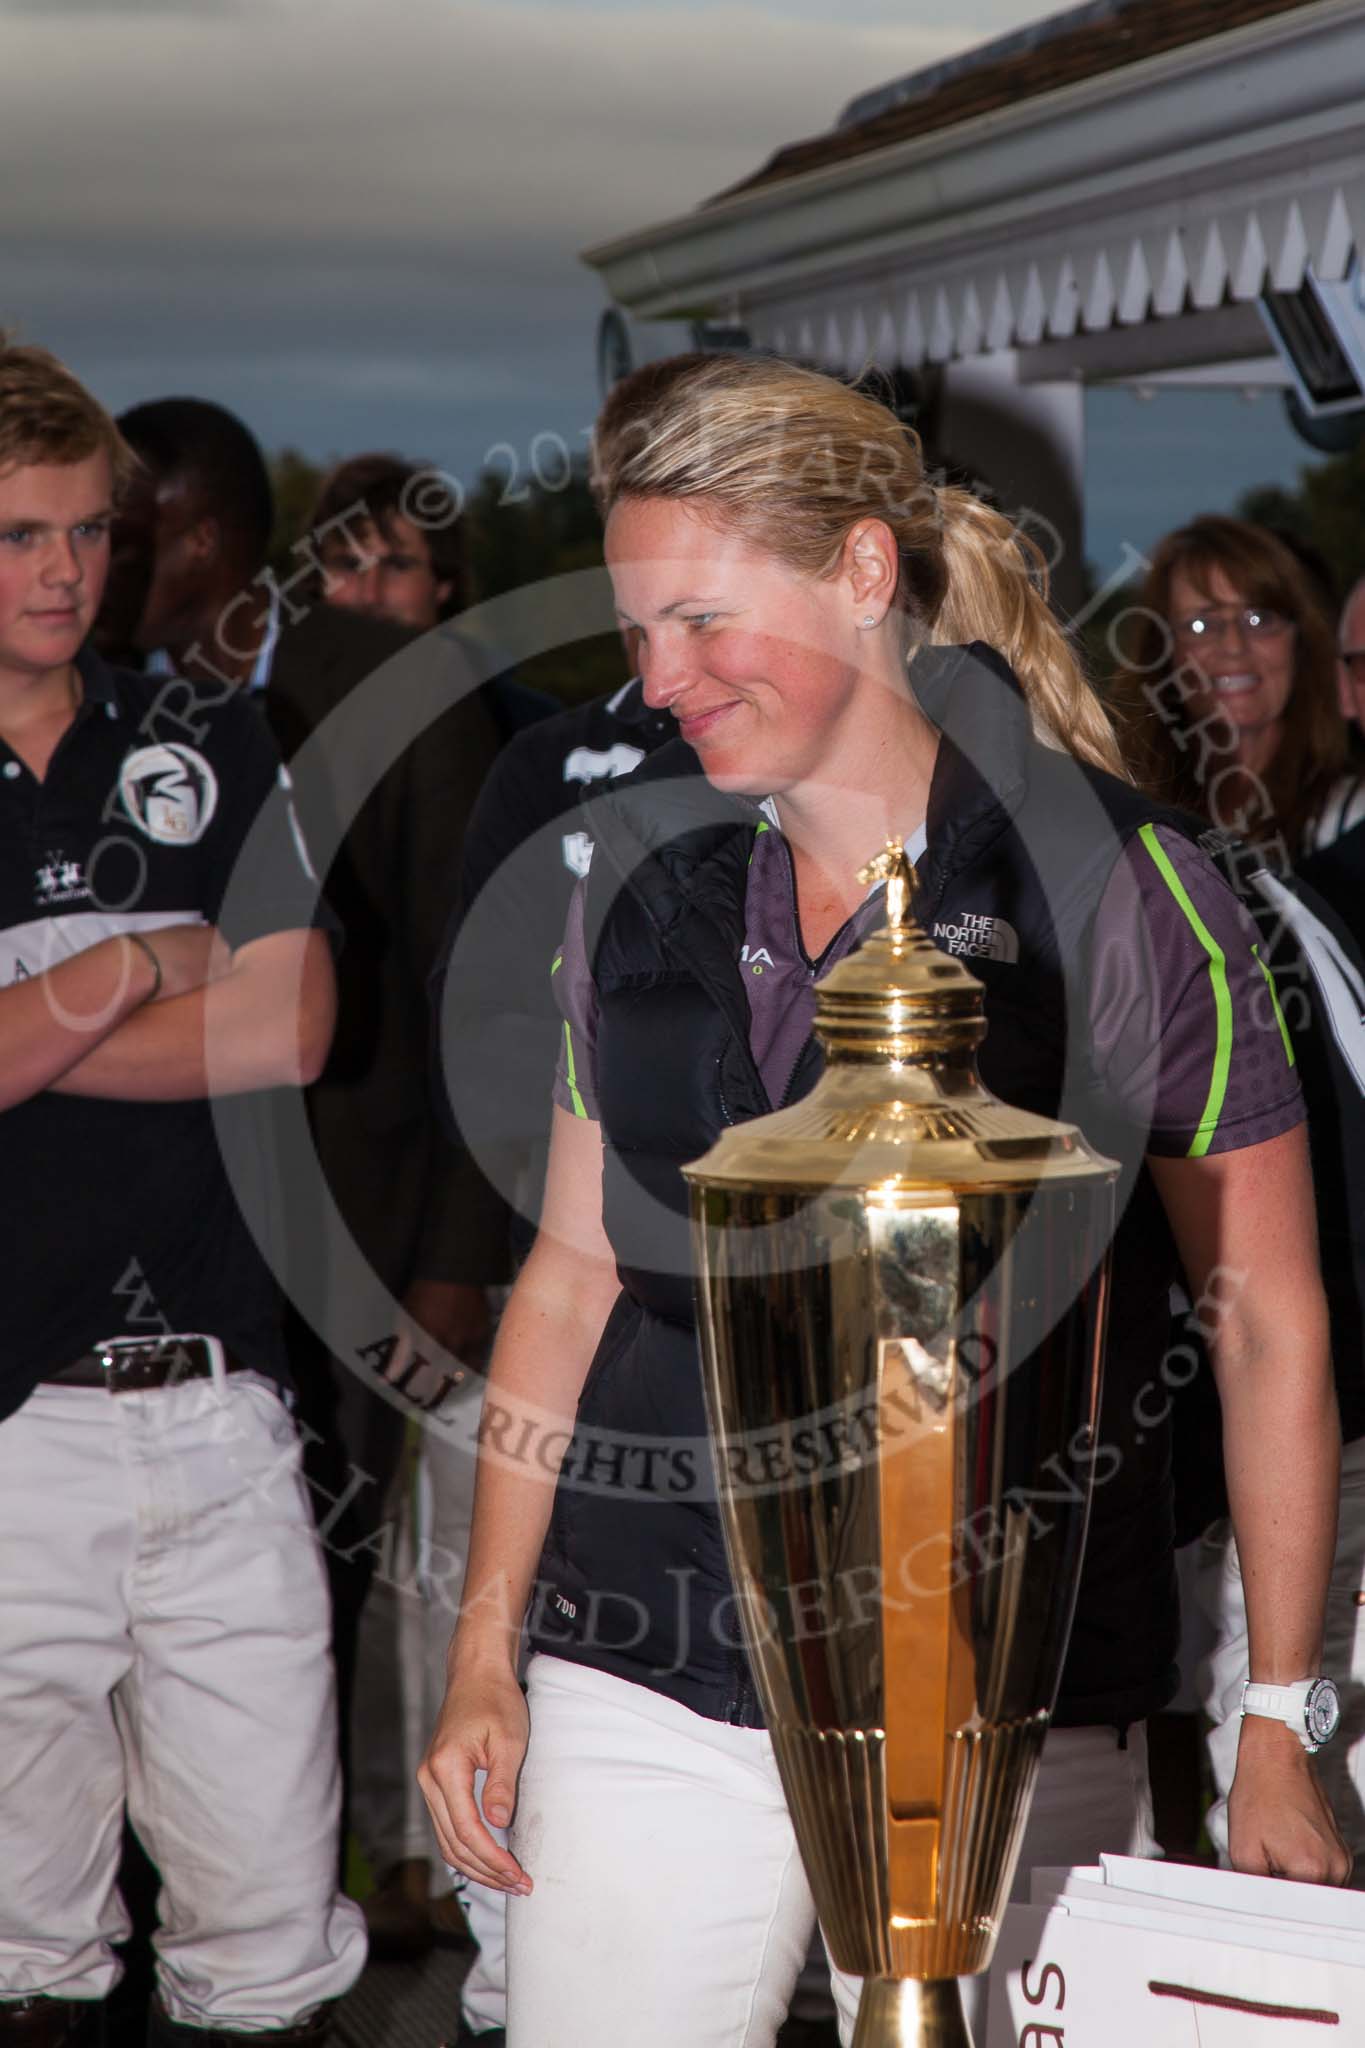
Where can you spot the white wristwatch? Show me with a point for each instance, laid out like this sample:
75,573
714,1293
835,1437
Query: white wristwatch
1311,1708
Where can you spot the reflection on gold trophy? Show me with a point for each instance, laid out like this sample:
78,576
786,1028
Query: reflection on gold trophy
903,1288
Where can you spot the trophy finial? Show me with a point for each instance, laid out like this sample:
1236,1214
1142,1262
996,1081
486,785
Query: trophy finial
898,997
893,867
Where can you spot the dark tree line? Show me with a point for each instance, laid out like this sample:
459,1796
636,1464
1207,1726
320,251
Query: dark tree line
1326,513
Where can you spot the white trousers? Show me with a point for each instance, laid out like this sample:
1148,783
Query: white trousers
164,1642
406,1624
669,1902
483,1988
1341,1764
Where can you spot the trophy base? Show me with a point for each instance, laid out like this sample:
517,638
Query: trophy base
902,2012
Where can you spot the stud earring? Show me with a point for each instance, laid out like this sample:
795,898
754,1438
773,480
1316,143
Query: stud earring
869,620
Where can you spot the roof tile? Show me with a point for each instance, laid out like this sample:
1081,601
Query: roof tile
1146,28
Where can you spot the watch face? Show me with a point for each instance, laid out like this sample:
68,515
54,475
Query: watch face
1322,1711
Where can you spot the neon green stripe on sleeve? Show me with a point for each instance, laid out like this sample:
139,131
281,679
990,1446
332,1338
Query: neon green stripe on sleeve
571,1074
1222,1000
1275,1004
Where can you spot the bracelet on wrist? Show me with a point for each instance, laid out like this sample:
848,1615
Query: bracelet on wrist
150,950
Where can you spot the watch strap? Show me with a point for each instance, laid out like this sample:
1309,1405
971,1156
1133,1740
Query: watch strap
1274,1699
1287,1703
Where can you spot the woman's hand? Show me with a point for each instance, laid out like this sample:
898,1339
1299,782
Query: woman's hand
483,1726
550,1330
1279,1821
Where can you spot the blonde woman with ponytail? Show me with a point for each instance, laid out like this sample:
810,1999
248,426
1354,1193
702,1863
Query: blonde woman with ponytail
849,653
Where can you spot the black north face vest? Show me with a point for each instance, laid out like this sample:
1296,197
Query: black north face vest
1021,842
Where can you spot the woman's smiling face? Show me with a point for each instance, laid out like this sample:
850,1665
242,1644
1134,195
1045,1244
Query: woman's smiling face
758,662
1239,655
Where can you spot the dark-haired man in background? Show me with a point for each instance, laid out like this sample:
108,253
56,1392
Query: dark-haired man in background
190,593
391,544
391,541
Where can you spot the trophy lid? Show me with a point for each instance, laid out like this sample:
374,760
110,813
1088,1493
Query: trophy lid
900,1106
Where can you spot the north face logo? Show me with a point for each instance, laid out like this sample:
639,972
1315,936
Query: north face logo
977,937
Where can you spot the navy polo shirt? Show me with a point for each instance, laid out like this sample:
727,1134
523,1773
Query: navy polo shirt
121,1220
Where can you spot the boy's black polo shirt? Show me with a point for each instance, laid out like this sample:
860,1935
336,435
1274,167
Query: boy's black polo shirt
120,1218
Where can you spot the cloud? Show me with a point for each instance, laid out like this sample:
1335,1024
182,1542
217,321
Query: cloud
979,18
123,10
359,227
315,119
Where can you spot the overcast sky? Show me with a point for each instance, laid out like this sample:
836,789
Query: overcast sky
361,227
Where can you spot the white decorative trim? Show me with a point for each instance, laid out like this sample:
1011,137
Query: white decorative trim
1179,182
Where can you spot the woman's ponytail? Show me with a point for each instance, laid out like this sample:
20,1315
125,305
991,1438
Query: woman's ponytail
997,592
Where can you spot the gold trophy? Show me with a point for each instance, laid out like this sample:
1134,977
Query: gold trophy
903,1287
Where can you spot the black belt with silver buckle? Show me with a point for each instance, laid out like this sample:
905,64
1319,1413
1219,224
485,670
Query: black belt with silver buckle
126,1368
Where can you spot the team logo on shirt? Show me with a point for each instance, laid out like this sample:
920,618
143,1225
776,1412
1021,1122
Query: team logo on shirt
170,792
977,937
577,850
59,880
595,764
756,958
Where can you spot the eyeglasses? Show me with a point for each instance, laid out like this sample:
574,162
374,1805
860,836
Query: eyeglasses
1353,661
1253,621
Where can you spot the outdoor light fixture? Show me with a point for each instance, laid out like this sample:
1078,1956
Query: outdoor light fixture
1319,333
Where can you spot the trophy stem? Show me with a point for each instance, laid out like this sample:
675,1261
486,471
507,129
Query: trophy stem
902,2012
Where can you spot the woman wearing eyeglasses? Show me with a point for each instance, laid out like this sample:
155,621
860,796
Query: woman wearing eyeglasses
1230,691
1230,708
